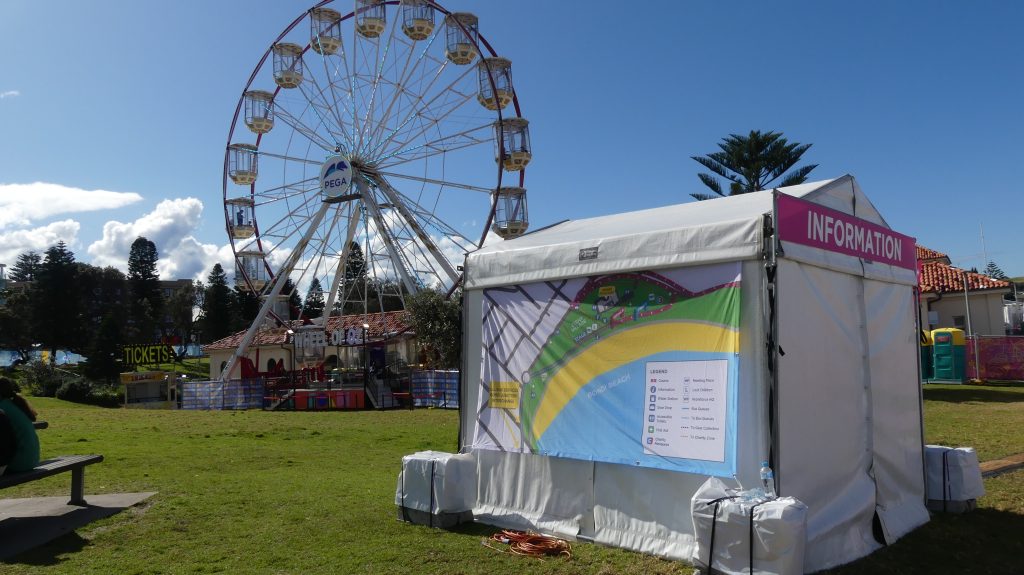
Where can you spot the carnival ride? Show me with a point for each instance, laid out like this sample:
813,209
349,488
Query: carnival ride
361,149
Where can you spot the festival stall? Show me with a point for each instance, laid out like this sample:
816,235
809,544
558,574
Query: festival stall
613,364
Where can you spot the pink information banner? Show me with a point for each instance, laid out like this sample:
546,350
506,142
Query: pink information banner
809,224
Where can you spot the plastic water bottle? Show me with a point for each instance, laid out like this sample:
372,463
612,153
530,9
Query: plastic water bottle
768,480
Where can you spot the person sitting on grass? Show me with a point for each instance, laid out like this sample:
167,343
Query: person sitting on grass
20,415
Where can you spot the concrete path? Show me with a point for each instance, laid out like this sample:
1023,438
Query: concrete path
1000,466
29,523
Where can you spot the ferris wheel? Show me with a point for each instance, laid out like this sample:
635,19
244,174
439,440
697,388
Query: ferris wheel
369,147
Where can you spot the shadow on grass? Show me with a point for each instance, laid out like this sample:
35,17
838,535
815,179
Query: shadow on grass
984,541
49,554
478,529
968,393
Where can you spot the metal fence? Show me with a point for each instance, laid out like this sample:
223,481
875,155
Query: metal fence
436,388
1001,358
232,394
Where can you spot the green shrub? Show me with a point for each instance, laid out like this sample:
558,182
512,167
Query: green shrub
84,391
76,390
105,396
42,380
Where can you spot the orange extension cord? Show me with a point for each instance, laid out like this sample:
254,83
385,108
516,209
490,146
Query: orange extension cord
531,544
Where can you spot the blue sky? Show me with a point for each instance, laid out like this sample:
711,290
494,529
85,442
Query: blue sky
114,114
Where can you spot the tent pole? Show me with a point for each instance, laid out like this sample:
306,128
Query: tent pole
916,293
771,250
463,321
970,330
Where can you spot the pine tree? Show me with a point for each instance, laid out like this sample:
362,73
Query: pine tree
245,306
102,291
294,300
353,289
16,324
180,309
751,163
314,306
102,354
104,296
25,269
993,271
215,318
145,286
355,265
55,307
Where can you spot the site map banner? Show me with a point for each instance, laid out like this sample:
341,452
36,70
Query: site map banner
635,368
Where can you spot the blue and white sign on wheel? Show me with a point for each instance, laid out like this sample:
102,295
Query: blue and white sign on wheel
335,177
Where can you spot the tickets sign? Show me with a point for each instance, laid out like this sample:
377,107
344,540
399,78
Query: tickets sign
147,353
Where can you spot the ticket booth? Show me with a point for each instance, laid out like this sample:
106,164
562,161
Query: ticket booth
150,390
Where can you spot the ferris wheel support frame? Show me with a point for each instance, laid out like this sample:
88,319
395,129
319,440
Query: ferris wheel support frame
423,236
279,281
384,232
353,223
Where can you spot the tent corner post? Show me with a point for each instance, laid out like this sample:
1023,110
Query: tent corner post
771,251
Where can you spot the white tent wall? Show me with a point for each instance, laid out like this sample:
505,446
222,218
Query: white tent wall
636,508
824,455
849,438
897,407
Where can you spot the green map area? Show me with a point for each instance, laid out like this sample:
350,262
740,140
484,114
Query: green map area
608,304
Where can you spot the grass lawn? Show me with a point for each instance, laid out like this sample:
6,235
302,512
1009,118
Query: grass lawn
261,492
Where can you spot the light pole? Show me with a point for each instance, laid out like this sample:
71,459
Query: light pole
366,359
291,336
970,332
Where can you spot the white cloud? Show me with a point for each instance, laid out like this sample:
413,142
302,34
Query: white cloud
21,204
9,94
170,226
15,242
190,259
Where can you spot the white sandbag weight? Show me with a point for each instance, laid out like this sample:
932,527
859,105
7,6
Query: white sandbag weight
436,489
739,536
954,478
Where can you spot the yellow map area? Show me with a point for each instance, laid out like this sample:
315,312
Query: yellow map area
622,348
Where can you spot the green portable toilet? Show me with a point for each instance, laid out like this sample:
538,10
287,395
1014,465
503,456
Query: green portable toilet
948,348
927,369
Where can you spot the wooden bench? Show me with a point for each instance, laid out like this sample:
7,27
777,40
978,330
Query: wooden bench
73,463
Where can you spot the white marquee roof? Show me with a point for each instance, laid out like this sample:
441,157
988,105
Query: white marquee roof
723,229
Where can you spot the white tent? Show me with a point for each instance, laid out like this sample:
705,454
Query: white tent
776,325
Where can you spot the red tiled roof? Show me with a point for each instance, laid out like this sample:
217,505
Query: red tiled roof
924,254
381,325
939,277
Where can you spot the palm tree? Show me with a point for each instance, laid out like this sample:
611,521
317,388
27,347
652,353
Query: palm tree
752,163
